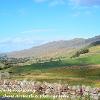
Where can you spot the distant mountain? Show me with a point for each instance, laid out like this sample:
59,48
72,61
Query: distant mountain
55,48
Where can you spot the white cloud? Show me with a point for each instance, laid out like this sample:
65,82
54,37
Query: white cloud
26,39
56,2
18,40
4,41
40,1
18,43
38,30
84,7
71,2
51,2
85,2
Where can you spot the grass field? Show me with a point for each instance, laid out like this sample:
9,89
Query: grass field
84,69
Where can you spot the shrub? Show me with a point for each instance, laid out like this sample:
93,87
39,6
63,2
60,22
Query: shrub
82,51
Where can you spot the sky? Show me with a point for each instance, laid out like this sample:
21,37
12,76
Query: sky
28,23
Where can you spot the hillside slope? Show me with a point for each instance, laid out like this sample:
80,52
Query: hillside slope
84,69
56,48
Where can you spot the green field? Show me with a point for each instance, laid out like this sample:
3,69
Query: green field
84,69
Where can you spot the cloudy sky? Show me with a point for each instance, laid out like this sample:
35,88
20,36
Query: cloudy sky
27,23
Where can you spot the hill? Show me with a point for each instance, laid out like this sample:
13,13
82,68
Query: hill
56,48
50,49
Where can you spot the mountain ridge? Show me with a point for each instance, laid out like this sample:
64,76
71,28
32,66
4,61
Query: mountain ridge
54,48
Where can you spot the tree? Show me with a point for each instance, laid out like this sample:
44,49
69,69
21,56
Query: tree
82,51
